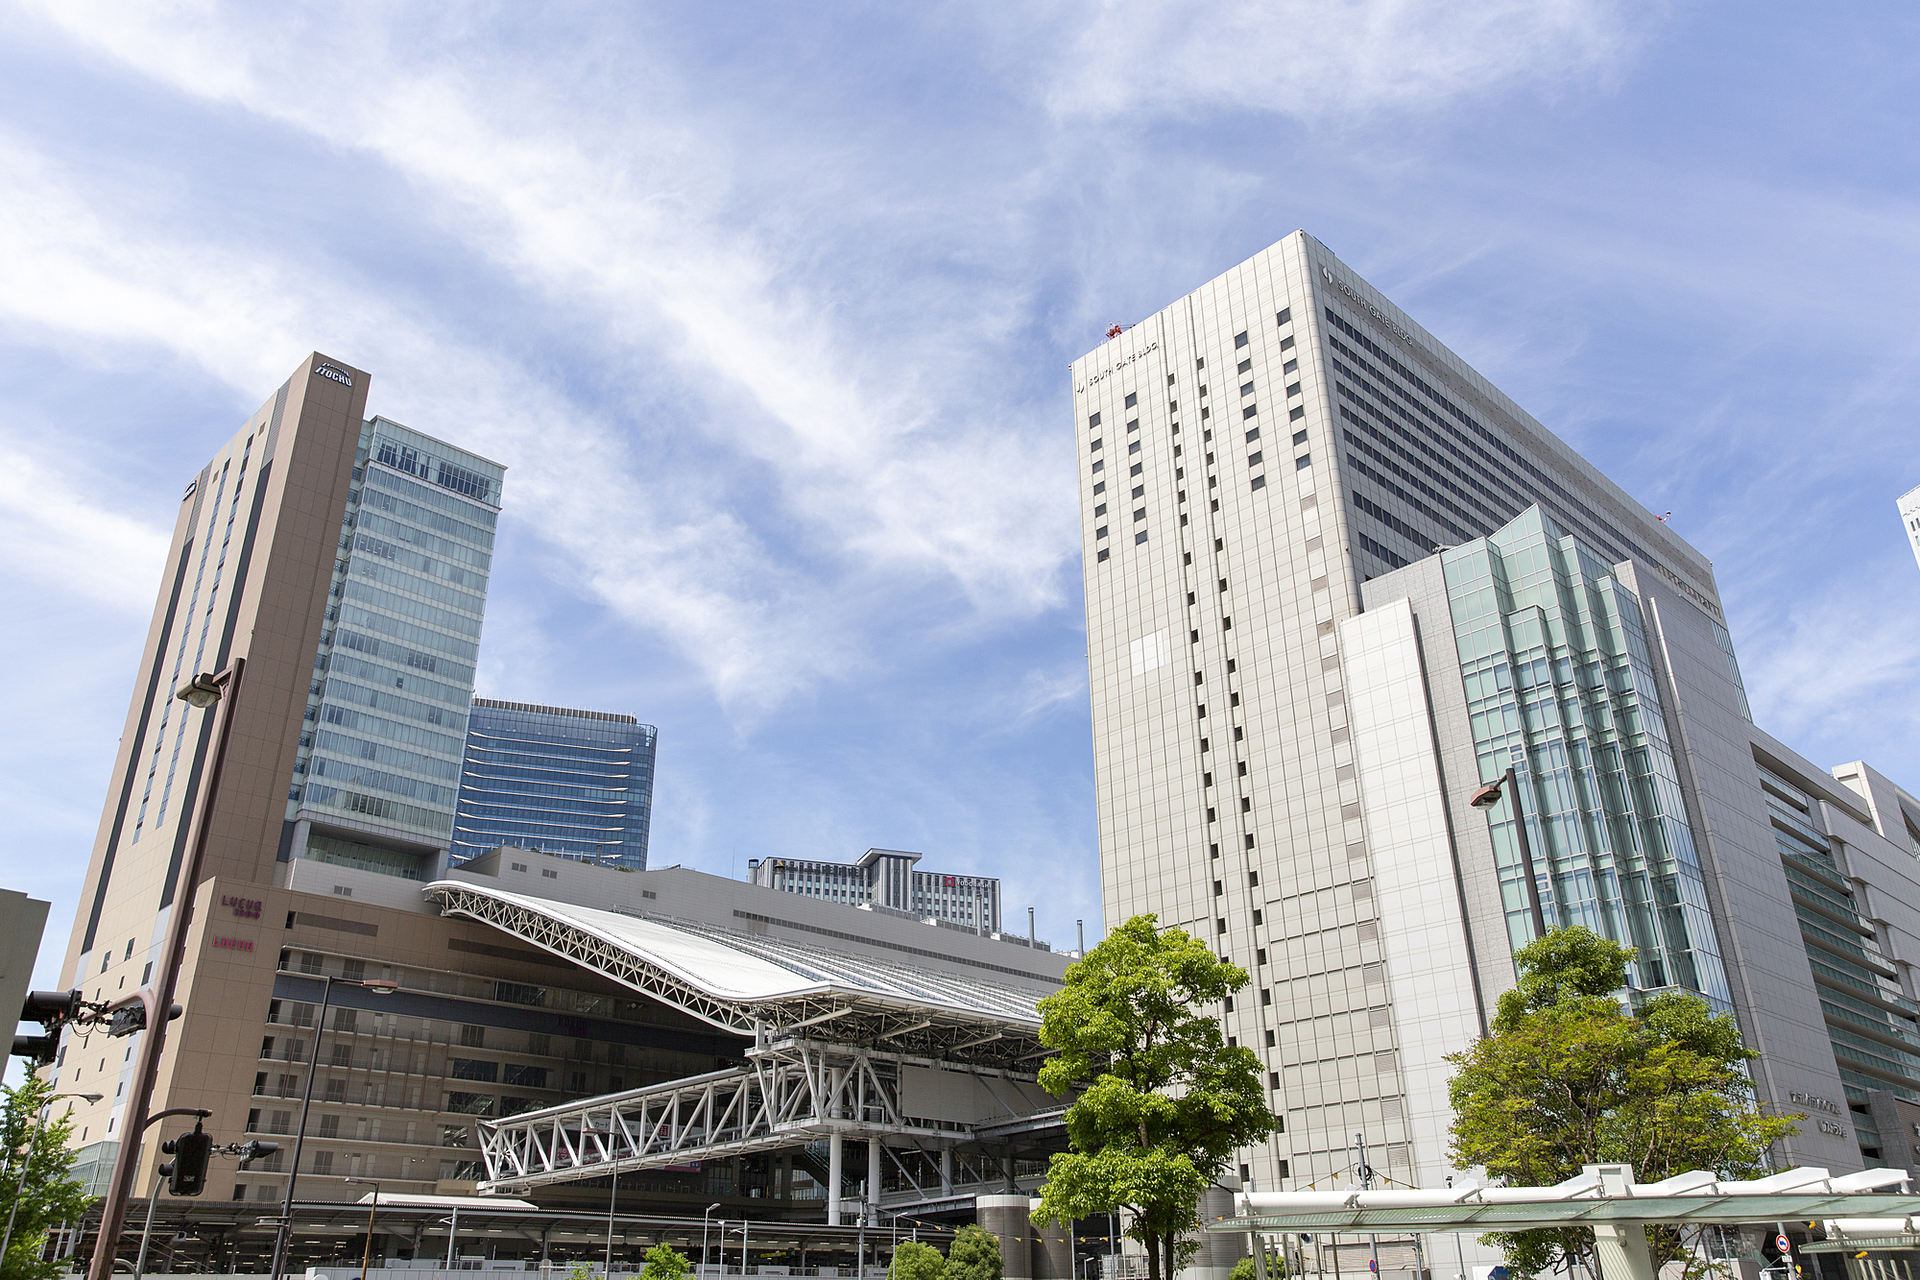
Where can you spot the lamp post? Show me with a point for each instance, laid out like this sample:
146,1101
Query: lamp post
27,1164
613,1194
1487,797
366,1258
200,693
381,986
704,1219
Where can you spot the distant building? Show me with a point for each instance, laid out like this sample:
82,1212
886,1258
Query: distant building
887,878
1910,517
578,784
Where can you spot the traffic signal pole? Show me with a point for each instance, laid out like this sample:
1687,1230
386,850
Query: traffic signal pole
225,688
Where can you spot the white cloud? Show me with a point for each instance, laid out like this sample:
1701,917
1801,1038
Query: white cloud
1324,58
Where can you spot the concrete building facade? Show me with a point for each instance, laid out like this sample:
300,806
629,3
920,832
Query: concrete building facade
888,878
1336,580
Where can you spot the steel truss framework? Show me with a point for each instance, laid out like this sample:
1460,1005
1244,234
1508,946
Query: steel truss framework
857,1018
791,1092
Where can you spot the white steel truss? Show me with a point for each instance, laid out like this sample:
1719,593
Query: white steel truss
790,1092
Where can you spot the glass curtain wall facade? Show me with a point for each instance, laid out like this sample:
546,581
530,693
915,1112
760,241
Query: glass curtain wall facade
386,719
1559,684
1874,1027
577,784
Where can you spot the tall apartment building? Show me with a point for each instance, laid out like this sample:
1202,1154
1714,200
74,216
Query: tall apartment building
578,784
1335,581
887,878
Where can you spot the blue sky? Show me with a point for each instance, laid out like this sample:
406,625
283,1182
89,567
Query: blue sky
768,309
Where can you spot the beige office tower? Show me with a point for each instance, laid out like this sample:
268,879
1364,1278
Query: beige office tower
1335,582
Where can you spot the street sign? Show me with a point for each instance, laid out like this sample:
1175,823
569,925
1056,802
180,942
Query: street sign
1782,1244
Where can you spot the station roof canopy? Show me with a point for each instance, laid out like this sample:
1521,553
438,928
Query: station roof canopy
1601,1196
736,981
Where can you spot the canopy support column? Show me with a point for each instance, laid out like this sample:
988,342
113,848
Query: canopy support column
1621,1249
836,1174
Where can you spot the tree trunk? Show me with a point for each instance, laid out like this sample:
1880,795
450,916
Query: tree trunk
1153,1256
1172,1241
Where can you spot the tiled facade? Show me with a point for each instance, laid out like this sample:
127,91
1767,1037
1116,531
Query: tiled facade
1289,711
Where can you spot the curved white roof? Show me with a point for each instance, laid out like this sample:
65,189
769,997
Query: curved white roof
734,979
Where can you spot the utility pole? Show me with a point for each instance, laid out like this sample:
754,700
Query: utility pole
1365,1171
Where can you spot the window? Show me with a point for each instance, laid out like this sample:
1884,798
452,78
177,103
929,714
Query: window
1273,1079
1253,434
1200,713
329,1126
1293,389
1099,511
1286,343
1132,399
1270,1043
519,866
1169,379
309,962
1246,802
1099,464
526,1077
1240,735
1139,491
1218,889
473,1037
1243,773
1226,624
1239,340
1187,558
1134,470
1290,366
1231,666
239,1191
1190,597
1302,462
346,1019
1253,882
1213,850
1266,997
474,1069
322,1163
1101,532
1139,537
1198,677
1256,916
1249,840
1244,366
1296,413
353,970
1093,422
1095,445
1201,363
342,1055
336,1091
1101,556
1219,926
1246,389
1283,316
1223,584
1133,446
1133,424
480,1104
1099,486
266,1047
1300,437
1254,458
1140,513
1249,411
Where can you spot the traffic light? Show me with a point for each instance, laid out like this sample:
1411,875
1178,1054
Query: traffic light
186,1173
249,1151
133,1017
52,1010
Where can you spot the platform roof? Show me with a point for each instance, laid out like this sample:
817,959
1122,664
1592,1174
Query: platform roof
735,980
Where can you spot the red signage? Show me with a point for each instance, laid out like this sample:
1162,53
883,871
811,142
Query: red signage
233,944
245,908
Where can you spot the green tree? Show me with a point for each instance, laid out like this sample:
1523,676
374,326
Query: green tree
973,1255
1276,1267
664,1262
1569,1077
915,1261
1169,1101
52,1194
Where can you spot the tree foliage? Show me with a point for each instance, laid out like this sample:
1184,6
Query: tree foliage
1569,1078
1277,1268
915,1261
664,1262
973,1255
52,1194
1169,1099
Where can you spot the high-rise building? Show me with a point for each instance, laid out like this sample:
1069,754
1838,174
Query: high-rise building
1910,518
1316,627
378,770
574,783
887,878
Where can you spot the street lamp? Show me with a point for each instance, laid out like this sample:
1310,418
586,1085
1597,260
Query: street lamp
1487,797
612,1195
704,1218
27,1164
366,1258
379,986
201,693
